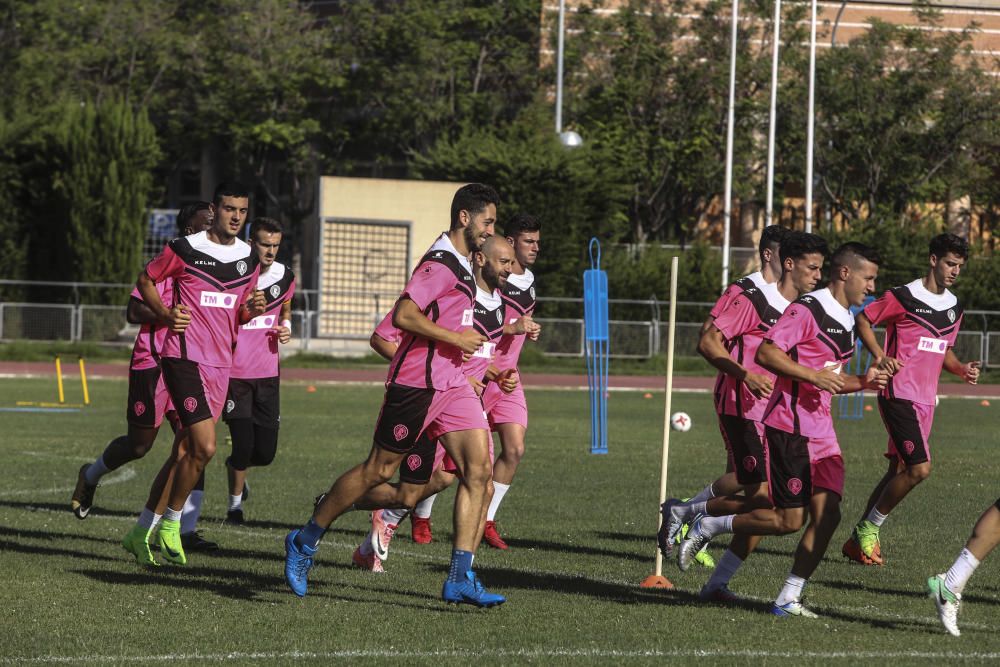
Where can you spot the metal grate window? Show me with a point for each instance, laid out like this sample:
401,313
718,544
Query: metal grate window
363,268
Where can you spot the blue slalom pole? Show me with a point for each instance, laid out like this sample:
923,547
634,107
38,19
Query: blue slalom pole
596,347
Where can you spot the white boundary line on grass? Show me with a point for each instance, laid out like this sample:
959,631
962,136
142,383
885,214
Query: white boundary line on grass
117,477
472,654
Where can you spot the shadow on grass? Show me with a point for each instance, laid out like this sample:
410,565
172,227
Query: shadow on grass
50,535
917,592
62,507
265,524
35,550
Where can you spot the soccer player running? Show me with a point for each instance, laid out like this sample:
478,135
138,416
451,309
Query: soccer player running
253,407
946,588
420,479
727,485
922,319
731,345
214,274
427,394
806,350
148,402
507,411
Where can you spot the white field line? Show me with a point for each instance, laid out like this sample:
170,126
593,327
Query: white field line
476,654
117,477
865,612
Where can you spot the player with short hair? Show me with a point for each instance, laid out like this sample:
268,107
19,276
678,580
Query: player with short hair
214,275
731,345
768,250
946,588
922,319
507,412
806,350
148,401
427,398
253,408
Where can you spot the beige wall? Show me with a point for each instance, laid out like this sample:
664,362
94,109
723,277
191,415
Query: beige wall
426,205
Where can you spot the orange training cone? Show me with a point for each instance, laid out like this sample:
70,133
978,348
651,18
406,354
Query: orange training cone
656,581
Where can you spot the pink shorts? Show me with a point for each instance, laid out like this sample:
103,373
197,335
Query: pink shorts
443,461
828,473
455,409
197,391
504,408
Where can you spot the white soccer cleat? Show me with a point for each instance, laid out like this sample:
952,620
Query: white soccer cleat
948,603
694,542
381,535
673,513
793,608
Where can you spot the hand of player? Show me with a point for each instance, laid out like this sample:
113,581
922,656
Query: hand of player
477,385
284,333
507,380
468,341
971,372
526,325
178,318
829,379
876,378
256,303
759,385
891,365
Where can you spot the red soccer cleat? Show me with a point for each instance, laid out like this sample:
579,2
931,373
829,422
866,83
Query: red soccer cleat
421,529
492,537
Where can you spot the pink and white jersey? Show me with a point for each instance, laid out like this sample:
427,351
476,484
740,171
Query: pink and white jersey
256,353
816,332
443,288
213,281
487,319
149,340
755,279
519,298
744,322
920,327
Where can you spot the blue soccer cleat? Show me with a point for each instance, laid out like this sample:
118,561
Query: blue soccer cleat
298,562
470,591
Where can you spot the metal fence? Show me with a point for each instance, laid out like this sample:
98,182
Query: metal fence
638,329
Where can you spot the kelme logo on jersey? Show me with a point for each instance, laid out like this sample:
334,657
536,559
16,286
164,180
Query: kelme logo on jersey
935,345
241,267
217,300
275,291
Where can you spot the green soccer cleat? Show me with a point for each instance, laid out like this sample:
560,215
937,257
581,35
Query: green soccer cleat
704,558
171,545
867,534
137,544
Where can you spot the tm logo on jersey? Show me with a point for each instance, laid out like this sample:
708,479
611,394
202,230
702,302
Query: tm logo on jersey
485,350
935,345
260,322
217,300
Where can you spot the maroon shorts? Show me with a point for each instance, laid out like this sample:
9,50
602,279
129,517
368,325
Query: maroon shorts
197,391
148,399
909,427
795,475
746,446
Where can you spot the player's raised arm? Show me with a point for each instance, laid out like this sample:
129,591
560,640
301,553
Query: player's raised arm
408,317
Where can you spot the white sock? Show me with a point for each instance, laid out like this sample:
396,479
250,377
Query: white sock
235,502
191,512
147,519
724,570
792,590
705,494
696,508
424,507
394,517
172,515
876,517
960,572
717,525
366,544
499,491
95,471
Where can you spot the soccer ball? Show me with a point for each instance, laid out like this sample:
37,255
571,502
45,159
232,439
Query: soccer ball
679,421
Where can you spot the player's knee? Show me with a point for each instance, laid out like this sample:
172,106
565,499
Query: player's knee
790,522
265,446
140,449
919,472
513,452
478,474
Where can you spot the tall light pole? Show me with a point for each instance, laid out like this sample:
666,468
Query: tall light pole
772,115
810,131
569,139
727,206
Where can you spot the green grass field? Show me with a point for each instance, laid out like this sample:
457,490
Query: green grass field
580,527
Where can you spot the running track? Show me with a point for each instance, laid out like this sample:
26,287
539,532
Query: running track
14,369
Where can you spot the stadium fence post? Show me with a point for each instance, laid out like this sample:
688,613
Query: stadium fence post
596,349
657,580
